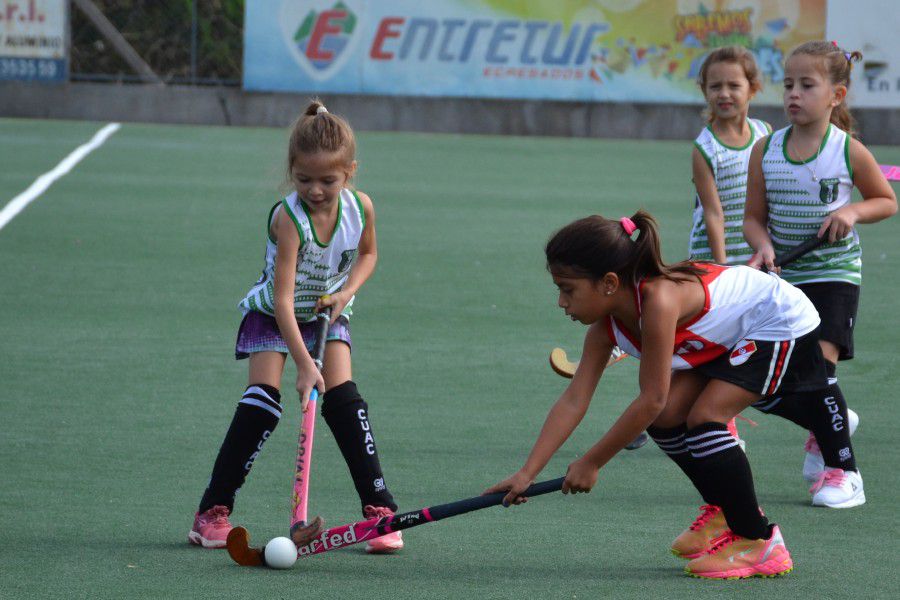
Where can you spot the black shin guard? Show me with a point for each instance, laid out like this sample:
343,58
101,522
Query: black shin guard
255,418
827,410
724,469
346,414
672,442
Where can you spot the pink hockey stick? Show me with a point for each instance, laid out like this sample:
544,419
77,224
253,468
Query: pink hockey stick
891,172
300,529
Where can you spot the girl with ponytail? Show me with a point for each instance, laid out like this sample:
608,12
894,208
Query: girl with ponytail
712,340
320,249
799,185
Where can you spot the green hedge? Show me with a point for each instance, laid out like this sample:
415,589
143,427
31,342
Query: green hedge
160,32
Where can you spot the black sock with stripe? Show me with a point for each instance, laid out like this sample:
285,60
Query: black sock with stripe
827,411
255,418
347,415
672,442
789,406
725,471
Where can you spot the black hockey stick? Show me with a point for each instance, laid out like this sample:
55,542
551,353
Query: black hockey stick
345,535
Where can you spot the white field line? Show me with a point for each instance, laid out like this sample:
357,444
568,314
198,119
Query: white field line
40,185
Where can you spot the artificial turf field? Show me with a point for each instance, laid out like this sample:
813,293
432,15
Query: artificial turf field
120,287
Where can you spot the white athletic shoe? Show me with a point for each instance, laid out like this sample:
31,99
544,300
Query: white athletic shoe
837,488
814,464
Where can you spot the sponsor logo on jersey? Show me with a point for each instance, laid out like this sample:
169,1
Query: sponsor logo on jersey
742,352
688,346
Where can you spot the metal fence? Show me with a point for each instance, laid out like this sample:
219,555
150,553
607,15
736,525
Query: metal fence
191,42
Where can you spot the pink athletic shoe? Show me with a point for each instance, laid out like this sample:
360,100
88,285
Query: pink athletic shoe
388,543
736,557
211,528
733,430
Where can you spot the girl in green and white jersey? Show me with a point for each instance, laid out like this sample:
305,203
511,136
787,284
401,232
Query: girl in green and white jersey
729,78
799,185
320,249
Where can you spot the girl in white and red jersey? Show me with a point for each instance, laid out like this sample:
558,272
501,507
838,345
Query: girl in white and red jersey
712,341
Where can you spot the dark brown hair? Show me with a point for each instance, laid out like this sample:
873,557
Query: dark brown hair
836,65
733,54
594,246
318,130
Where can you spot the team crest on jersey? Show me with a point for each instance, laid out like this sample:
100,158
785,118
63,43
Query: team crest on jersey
828,190
742,352
321,37
347,258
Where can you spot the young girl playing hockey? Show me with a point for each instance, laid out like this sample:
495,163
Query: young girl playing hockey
729,78
320,250
712,340
799,185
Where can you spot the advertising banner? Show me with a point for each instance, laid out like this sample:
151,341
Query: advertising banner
873,28
34,40
615,50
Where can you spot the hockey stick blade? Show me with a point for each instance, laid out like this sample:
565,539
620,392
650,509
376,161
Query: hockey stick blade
559,361
304,533
240,550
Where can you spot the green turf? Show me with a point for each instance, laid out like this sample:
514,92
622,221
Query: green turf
120,287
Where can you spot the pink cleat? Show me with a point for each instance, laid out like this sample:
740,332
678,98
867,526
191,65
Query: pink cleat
696,540
388,543
735,557
733,430
211,528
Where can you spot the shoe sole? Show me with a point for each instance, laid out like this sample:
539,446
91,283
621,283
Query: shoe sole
735,577
773,565
857,500
198,540
383,549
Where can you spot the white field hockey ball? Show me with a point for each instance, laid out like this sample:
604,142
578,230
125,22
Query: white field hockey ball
280,553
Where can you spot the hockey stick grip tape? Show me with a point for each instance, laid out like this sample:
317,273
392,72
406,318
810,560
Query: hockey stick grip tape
798,251
443,511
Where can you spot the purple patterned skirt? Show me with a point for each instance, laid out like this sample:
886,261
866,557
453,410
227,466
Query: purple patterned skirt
259,333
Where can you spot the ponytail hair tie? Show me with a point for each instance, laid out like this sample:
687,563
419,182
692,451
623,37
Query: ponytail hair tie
847,55
321,109
628,225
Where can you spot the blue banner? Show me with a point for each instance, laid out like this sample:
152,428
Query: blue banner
648,50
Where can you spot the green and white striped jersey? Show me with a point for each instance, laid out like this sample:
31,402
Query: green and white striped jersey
321,268
800,195
729,167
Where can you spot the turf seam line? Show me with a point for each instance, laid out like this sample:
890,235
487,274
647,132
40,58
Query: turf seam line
40,185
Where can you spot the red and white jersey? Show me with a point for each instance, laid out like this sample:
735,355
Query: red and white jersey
741,304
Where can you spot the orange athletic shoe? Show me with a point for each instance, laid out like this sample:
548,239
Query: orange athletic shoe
736,557
697,539
388,543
